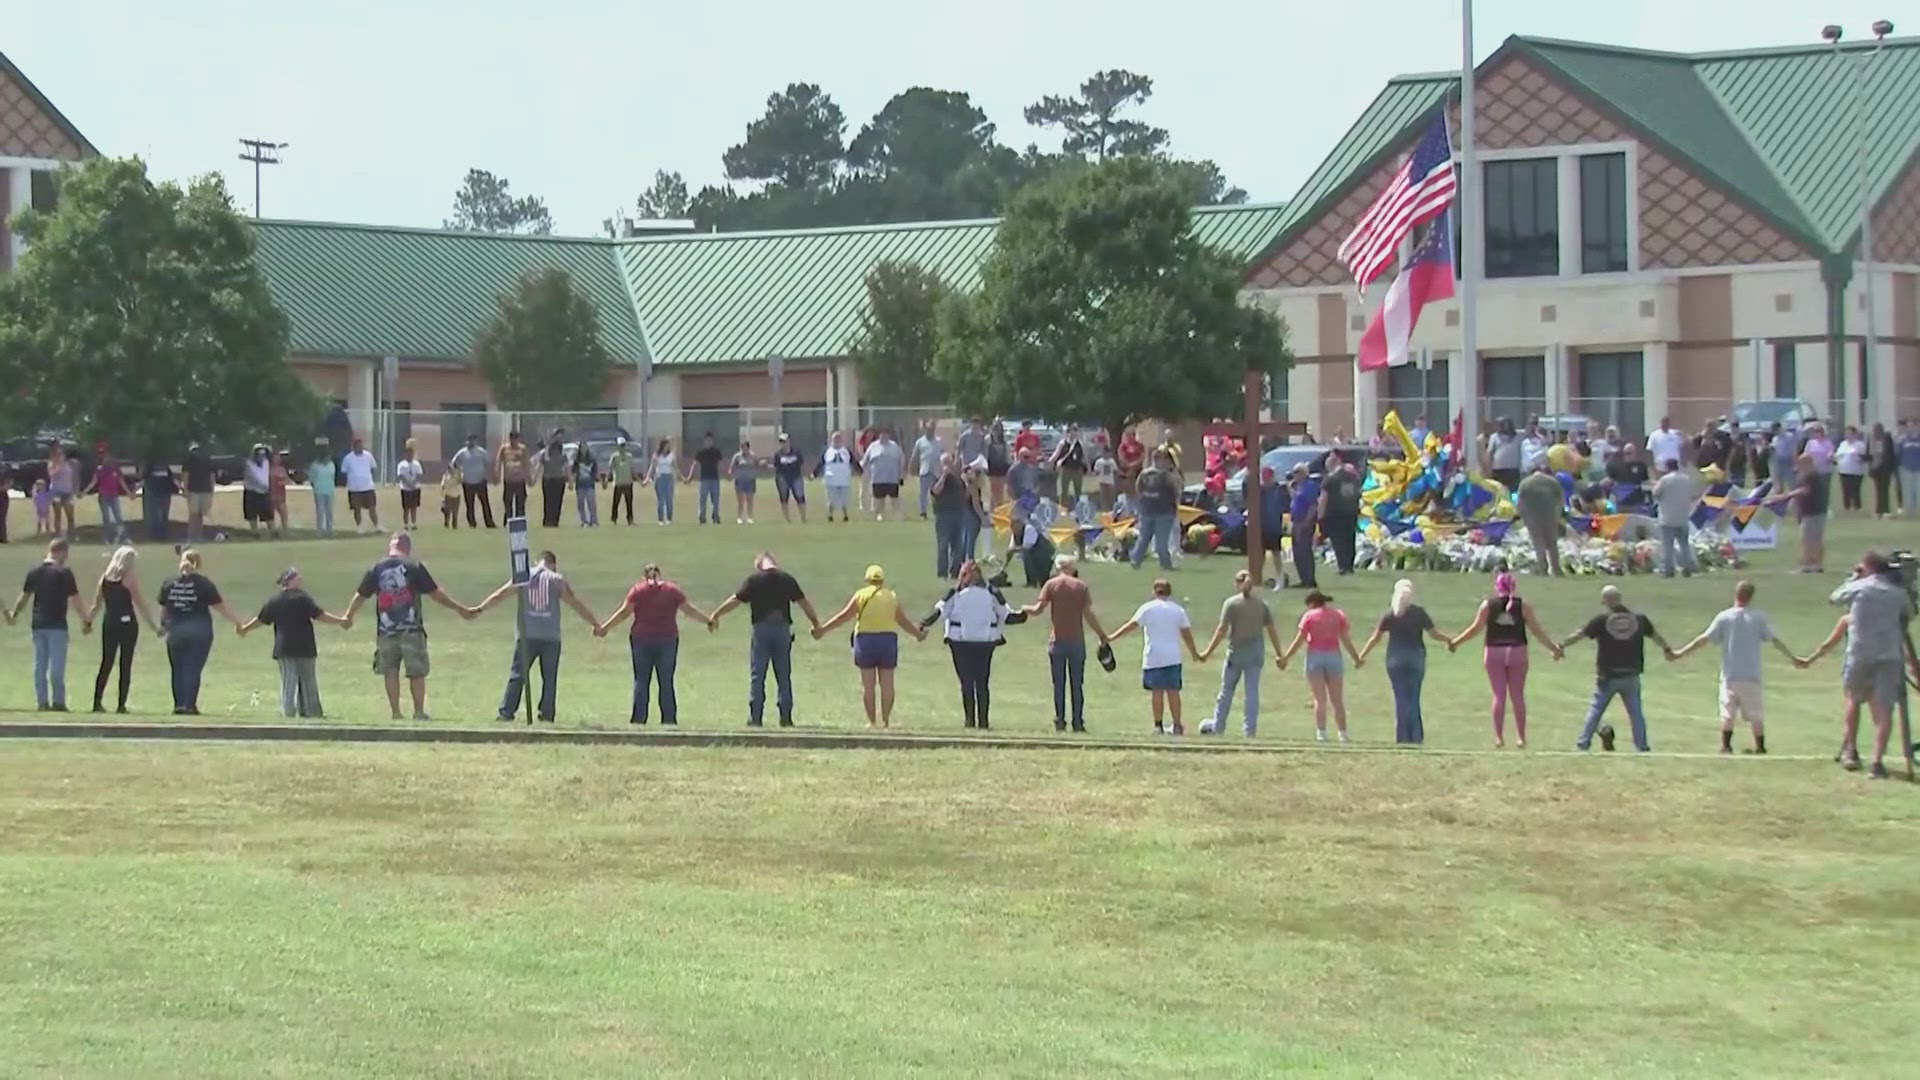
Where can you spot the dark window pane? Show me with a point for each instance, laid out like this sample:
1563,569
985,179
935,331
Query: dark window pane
1612,390
1523,218
46,191
1514,387
1603,213
1786,370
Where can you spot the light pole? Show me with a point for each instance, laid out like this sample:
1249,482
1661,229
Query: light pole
1832,33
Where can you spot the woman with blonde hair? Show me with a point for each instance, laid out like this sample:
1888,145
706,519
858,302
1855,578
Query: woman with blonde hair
115,598
1404,626
187,603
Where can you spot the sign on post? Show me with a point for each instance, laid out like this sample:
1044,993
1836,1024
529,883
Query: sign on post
518,562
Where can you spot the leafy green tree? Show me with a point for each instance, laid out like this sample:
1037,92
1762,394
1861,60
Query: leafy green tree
1098,304
1091,123
542,349
923,132
139,316
894,346
666,199
794,144
484,203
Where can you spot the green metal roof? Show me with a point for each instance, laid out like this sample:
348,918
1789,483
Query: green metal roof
364,290
1774,125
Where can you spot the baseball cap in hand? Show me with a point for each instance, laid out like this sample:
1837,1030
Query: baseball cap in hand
1105,656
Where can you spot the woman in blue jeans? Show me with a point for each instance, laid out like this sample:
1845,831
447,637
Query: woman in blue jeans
661,475
187,603
654,604
1405,625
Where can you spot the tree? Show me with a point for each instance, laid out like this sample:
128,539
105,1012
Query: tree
922,132
666,199
894,346
484,204
1092,122
794,144
140,317
542,349
1098,304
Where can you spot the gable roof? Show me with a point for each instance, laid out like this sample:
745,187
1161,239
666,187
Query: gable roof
1775,126
364,290
422,294
40,100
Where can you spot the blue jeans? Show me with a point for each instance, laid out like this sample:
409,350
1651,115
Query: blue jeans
709,494
323,512
1675,548
770,644
159,504
50,668
969,534
1068,662
1238,668
1604,689
948,534
1406,670
112,522
187,650
547,655
926,491
1155,529
662,498
586,503
654,658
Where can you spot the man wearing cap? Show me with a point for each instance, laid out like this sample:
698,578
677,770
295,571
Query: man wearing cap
292,614
789,478
536,633
1069,603
769,593
400,631
474,468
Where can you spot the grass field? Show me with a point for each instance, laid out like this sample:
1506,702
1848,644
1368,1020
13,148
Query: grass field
229,909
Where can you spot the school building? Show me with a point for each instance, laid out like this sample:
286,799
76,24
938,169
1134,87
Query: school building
1664,234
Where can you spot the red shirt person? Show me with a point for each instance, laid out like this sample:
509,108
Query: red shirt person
654,603
1028,440
1132,455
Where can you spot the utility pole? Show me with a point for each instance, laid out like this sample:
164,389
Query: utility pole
260,152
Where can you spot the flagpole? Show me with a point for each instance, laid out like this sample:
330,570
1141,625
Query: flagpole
1471,246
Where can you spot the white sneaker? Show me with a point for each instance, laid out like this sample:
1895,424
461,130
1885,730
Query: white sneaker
749,521
739,521
1320,733
1343,737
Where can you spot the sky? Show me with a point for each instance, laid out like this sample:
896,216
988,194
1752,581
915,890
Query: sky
386,106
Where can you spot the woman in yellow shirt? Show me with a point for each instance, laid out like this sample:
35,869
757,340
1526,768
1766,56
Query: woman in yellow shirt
876,616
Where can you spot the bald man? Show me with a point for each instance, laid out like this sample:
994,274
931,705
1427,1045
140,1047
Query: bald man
1619,637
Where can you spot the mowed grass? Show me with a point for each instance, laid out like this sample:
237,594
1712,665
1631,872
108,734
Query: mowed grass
470,658
325,910
238,909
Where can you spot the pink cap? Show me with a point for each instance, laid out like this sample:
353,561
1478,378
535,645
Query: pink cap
1503,583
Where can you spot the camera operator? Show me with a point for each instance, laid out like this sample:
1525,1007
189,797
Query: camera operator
1878,608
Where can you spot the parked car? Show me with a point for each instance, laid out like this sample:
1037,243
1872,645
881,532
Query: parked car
1754,417
1573,424
25,458
1281,459
600,442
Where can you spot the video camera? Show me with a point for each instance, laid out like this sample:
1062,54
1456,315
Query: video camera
1903,569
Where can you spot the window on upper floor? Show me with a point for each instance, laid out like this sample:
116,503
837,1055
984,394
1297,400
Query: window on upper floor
1603,213
1522,199
1786,370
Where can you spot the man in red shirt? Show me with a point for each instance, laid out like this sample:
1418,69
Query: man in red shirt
1132,456
1027,439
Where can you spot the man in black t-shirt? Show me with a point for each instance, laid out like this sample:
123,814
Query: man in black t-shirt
1620,638
706,461
770,593
292,614
400,631
789,478
53,591
1340,510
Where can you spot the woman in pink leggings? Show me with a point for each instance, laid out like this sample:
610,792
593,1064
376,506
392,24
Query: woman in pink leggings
1506,619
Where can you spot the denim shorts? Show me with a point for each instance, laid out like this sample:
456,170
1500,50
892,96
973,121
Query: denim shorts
876,651
1874,682
1329,664
1161,678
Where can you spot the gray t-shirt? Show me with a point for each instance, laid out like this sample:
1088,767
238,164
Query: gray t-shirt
472,462
1740,632
1246,619
1540,497
1876,607
1675,494
540,604
972,445
885,463
1023,478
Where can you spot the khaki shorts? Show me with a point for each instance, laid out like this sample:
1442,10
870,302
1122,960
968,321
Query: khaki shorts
405,652
1742,700
200,502
1873,682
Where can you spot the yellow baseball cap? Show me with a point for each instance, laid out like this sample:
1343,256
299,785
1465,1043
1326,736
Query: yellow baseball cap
875,574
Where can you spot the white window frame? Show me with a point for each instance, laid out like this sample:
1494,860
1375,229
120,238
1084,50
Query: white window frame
1567,167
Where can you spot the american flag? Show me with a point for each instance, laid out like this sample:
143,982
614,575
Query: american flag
1422,188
